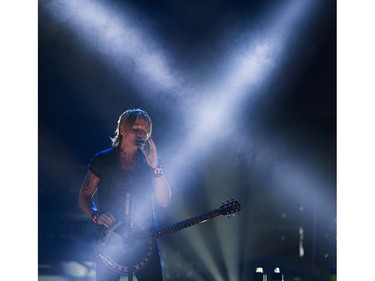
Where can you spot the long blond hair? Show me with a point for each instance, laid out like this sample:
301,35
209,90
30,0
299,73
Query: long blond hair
127,120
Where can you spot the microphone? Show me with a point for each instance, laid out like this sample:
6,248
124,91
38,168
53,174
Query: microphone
141,146
140,142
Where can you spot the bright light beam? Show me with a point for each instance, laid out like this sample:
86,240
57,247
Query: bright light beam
246,70
108,30
200,247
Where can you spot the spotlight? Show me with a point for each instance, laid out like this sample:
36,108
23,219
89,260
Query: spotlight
277,275
259,275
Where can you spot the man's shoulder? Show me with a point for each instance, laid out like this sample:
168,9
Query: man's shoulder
106,152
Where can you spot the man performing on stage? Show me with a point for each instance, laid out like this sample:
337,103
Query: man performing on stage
129,179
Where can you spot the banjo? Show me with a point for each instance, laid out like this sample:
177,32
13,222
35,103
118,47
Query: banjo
128,248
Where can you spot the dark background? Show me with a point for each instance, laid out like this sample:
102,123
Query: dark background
81,93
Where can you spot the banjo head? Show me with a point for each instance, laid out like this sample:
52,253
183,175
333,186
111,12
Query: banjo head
123,247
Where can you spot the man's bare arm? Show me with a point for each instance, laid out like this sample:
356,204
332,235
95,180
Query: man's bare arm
162,191
88,188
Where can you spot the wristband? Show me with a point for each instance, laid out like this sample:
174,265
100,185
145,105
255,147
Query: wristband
158,171
94,217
